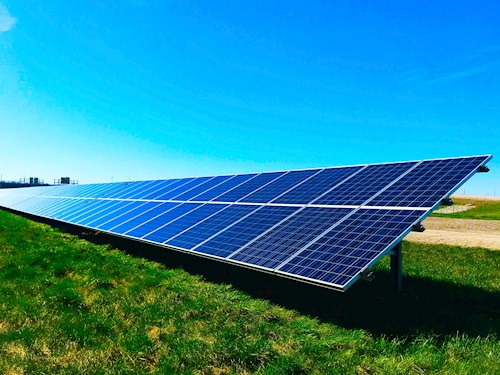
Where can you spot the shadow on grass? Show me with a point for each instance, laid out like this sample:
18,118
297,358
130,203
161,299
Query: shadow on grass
424,306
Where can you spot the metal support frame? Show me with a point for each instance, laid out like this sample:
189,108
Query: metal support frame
447,202
418,227
396,265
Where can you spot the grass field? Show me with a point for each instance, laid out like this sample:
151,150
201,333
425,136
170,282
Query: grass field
485,210
70,306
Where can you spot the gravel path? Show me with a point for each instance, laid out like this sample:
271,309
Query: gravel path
460,232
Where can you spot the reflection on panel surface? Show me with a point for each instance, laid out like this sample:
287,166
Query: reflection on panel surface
324,225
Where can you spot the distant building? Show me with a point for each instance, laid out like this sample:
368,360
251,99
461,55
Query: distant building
65,181
23,182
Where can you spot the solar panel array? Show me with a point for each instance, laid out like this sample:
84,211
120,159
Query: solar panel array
324,226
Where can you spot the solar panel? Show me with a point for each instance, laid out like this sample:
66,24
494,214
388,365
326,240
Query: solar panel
349,245
325,226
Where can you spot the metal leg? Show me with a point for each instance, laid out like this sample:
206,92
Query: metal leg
396,258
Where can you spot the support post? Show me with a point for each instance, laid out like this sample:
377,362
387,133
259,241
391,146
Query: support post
396,265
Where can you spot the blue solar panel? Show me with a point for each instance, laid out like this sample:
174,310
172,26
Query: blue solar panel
184,222
237,235
166,217
226,186
428,183
53,206
72,191
182,188
100,190
25,204
317,185
47,206
214,224
207,185
122,208
121,218
248,187
349,247
364,184
324,226
279,186
137,220
106,210
80,206
129,189
278,244
152,189
30,203
101,208
167,187
120,189
84,206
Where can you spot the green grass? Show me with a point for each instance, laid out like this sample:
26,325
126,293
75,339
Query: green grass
68,306
485,210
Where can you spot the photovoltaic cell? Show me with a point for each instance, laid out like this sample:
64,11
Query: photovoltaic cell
182,188
137,190
226,186
102,207
152,189
324,226
56,207
160,220
27,204
345,250
364,184
124,207
280,243
187,220
166,188
118,219
316,185
82,206
207,185
72,191
248,187
100,190
144,217
279,186
232,238
121,189
85,206
30,203
207,228
107,211
130,188
428,183
47,206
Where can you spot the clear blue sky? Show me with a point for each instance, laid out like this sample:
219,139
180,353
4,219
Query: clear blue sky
100,90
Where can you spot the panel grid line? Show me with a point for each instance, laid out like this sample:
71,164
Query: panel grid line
173,220
229,226
342,220
323,226
194,225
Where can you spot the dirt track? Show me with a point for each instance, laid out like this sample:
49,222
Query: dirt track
479,198
460,232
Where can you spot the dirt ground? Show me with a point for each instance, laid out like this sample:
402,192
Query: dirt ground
476,197
460,232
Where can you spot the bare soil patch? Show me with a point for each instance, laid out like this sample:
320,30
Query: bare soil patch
455,208
475,197
459,232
